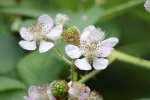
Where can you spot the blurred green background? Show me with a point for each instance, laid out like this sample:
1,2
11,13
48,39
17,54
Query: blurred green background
125,19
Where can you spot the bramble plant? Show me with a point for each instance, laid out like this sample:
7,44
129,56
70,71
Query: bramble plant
74,49
89,49
84,50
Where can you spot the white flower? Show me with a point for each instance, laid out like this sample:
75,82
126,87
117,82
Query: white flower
78,91
61,19
92,48
147,5
39,93
39,33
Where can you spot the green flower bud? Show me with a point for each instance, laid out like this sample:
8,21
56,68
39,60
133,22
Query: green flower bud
72,35
60,89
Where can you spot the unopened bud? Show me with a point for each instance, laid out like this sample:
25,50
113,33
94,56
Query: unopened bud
60,89
61,19
72,35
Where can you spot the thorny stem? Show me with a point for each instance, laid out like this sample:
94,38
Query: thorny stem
62,56
121,57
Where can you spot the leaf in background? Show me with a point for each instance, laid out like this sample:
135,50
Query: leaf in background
10,53
12,95
26,11
39,68
7,83
83,19
5,3
110,29
80,19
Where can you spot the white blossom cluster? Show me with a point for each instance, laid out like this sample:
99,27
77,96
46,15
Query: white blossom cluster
76,91
91,52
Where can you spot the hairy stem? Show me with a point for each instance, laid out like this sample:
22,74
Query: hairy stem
73,73
131,59
62,56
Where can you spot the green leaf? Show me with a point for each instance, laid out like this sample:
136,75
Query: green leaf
82,19
26,11
7,83
6,3
12,95
111,29
10,53
39,68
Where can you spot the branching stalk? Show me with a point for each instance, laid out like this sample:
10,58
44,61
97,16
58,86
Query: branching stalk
62,56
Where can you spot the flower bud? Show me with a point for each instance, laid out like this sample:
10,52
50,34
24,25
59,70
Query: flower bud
59,89
72,35
61,19
95,96
78,91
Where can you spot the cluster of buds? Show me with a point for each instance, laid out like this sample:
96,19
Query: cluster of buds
61,90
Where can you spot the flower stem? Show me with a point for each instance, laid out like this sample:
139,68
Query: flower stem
62,56
73,73
131,59
121,7
121,57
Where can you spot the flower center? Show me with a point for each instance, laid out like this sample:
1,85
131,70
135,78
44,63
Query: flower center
42,90
36,31
89,50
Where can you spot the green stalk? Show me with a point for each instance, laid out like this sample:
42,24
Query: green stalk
131,59
121,57
62,56
73,73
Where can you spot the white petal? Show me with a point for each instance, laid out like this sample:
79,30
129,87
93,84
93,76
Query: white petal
86,94
45,46
73,51
91,34
147,5
46,22
83,64
26,34
69,84
55,33
110,42
33,92
50,95
104,48
100,63
28,45
103,52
